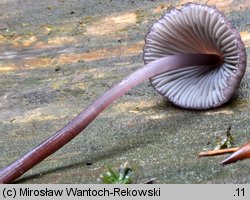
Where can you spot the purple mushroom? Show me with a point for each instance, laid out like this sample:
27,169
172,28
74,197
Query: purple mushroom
197,29
193,56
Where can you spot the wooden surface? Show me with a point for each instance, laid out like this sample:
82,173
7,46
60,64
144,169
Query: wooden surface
57,56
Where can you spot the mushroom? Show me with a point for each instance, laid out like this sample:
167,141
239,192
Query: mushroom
197,29
193,56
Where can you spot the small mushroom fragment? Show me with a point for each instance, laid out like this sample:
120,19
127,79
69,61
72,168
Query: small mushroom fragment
242,153
193,56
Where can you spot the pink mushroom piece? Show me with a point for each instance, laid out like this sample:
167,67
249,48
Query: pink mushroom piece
242,153
193,56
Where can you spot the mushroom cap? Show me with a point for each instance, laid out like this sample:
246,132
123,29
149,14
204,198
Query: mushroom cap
197,28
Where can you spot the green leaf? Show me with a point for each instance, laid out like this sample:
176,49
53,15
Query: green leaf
122,176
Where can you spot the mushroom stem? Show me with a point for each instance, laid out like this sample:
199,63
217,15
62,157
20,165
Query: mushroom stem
81,121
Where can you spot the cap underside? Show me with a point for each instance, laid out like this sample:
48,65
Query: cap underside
196,29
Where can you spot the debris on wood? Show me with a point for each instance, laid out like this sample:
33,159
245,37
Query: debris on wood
218,152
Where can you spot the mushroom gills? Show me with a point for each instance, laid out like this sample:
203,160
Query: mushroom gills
196,28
